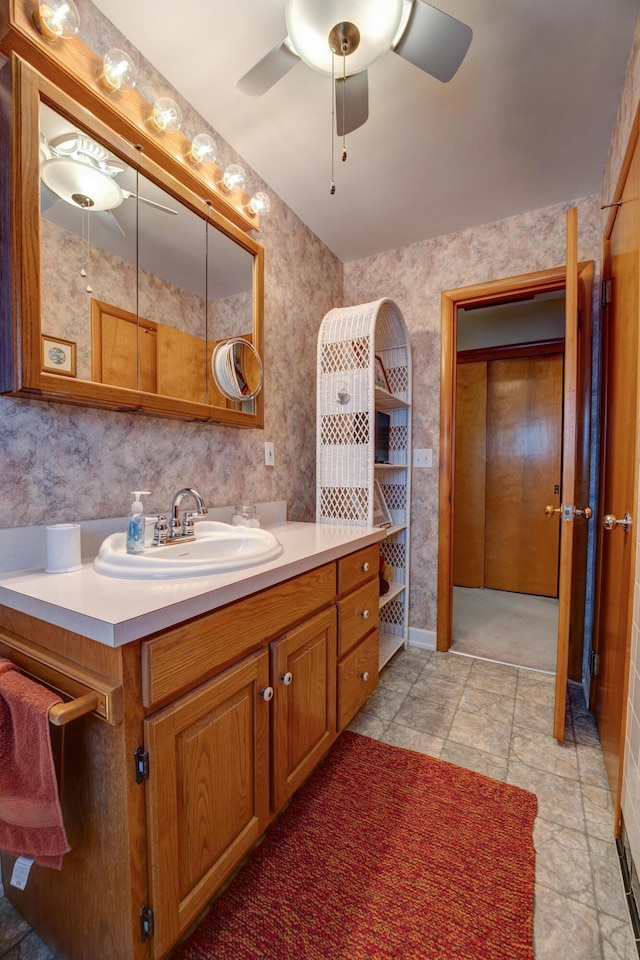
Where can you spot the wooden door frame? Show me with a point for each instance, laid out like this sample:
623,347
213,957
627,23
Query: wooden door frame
481,294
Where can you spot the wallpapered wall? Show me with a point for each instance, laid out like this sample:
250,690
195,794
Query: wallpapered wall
63,463
414,277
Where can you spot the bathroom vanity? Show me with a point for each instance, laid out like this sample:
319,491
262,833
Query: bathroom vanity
216,699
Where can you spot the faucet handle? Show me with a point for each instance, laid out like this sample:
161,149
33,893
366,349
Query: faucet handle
160,531
187,524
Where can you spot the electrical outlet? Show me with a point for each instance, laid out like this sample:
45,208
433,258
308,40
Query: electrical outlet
269,456
423,458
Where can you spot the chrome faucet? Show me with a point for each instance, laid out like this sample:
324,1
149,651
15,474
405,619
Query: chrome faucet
182,529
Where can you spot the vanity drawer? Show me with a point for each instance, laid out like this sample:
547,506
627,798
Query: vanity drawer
358,613
357,678
178,660
358,567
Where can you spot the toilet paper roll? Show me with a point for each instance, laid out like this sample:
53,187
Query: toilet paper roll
63,548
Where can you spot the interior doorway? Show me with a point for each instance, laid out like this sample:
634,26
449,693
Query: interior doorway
508,438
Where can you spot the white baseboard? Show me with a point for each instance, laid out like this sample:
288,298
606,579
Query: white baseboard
423,639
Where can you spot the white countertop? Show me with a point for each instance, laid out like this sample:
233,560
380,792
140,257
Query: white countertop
114,611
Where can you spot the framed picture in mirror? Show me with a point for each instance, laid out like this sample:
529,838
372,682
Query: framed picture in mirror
58,356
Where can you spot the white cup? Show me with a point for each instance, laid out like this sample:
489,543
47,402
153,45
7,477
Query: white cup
63,548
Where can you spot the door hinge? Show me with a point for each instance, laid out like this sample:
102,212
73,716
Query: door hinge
594,663
146,924
142,764
605,293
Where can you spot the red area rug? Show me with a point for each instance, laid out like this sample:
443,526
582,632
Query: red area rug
384,853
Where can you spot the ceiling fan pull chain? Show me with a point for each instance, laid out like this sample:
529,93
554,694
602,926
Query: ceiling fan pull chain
333,122
345,49
85,213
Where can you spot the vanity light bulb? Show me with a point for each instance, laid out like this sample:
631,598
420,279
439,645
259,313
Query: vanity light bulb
234,178
203,149
118,72
56,19
166,116
260,204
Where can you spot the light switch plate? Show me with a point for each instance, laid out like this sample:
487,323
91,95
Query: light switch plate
423,458
269,455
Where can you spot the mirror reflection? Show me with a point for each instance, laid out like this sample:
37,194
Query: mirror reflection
135,283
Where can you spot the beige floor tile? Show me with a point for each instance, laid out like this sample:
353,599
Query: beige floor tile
534,716
493,705
493,678
563,928
476,760
607,878
562,861
426,716
617,939
559,798
437,689
478,731
448,666
400,736
544,753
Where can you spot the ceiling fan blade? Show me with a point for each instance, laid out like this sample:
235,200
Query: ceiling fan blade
128,195
352,102
109,221
434,41
269,70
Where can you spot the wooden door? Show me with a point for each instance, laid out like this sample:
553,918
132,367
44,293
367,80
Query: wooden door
618,478
123,348
303,665
207,794
524,448
470,475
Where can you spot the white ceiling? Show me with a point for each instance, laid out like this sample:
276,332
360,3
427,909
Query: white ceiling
525,123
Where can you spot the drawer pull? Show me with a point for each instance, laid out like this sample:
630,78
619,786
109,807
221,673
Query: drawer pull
365,567
286,678
365,676
267,693
365,614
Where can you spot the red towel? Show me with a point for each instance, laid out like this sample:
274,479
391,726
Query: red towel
30,816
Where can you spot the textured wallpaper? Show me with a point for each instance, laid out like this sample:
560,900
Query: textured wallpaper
414,277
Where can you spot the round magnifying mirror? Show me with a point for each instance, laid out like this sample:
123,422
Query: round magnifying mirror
237,369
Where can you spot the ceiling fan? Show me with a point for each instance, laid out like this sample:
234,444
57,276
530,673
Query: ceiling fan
360,31
82,172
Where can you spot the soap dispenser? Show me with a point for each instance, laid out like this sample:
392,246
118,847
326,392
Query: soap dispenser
135,526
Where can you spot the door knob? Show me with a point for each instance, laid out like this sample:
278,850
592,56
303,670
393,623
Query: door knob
586,512
550,511
569,511
610,522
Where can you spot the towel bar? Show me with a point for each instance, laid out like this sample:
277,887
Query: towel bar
61,713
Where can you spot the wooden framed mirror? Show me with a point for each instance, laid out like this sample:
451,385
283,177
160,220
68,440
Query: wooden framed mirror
119,263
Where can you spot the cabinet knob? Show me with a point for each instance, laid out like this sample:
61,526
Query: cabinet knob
267,693
365,567
365,676
286,678
365,614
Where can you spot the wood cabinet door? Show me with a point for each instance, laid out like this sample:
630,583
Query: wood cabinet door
303,664
207,793
469,484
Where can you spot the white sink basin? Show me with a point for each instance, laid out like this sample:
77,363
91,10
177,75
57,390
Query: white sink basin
218,548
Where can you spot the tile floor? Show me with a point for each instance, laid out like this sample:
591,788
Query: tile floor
496,719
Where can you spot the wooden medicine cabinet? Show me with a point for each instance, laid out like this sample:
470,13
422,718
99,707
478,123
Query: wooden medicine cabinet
117,279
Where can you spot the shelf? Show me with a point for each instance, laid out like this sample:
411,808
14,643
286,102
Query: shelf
391,466
395,528
388,401
388,646
394,590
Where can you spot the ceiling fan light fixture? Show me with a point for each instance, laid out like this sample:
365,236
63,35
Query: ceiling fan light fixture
56,20
203,149
166,116
310,22
234,178
118,72
80,184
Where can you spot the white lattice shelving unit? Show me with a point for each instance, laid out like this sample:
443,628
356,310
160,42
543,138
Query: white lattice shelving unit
350,338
